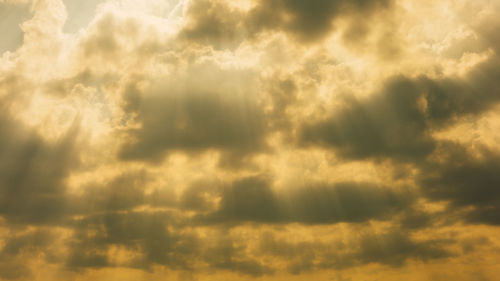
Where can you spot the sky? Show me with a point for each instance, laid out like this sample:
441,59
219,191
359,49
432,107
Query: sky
200,140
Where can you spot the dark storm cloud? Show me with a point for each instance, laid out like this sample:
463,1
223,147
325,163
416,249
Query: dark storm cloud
246,266
188,115
199,196
224,254
471,244
398,121
300,256
123,192
309,20
81,257
156,239
212,22
11,270
32,241
165,238
387,124
194,122
144,233
393,247
346,202
32,173
466,181
11,267
412,219
253,200
11,16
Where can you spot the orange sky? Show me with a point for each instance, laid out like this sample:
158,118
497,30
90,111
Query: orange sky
249,140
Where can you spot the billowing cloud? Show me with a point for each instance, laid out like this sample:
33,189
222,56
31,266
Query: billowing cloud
249,139
218,24
466,181
308,21
399,121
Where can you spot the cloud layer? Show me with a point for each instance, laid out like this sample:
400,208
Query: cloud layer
215,139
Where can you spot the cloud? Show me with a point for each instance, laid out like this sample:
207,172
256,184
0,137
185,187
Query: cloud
34,240
215,139
145,233
216,23
223,254
154,239
199,196
123,192
213,23
208,109
16,246
465,181
253,200
398,121
32,173
309,21
393,247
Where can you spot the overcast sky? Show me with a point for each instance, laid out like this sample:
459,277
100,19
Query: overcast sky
345,140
